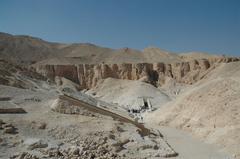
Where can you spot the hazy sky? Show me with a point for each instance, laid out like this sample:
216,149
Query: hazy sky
175,25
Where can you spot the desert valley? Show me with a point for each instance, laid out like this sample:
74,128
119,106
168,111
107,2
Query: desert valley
81,100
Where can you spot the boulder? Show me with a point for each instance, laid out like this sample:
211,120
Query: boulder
9,130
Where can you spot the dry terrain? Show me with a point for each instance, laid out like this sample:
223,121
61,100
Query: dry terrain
86,101
208,109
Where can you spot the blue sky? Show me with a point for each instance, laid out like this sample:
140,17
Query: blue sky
175,25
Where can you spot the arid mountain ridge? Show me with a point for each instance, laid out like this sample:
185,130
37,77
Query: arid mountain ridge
86,64
22,49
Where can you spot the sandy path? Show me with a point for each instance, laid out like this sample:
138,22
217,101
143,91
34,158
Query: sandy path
189,147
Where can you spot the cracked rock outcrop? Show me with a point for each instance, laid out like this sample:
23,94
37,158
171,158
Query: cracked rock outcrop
87,75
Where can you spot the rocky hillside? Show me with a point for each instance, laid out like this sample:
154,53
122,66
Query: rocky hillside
17,76
209,109
87,75
125,92
26,49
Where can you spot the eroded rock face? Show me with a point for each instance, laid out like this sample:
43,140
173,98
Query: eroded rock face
87,75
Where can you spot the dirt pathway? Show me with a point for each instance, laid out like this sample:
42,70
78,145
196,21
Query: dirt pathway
189,147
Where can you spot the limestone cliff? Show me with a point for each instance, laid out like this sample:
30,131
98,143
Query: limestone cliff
87,75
